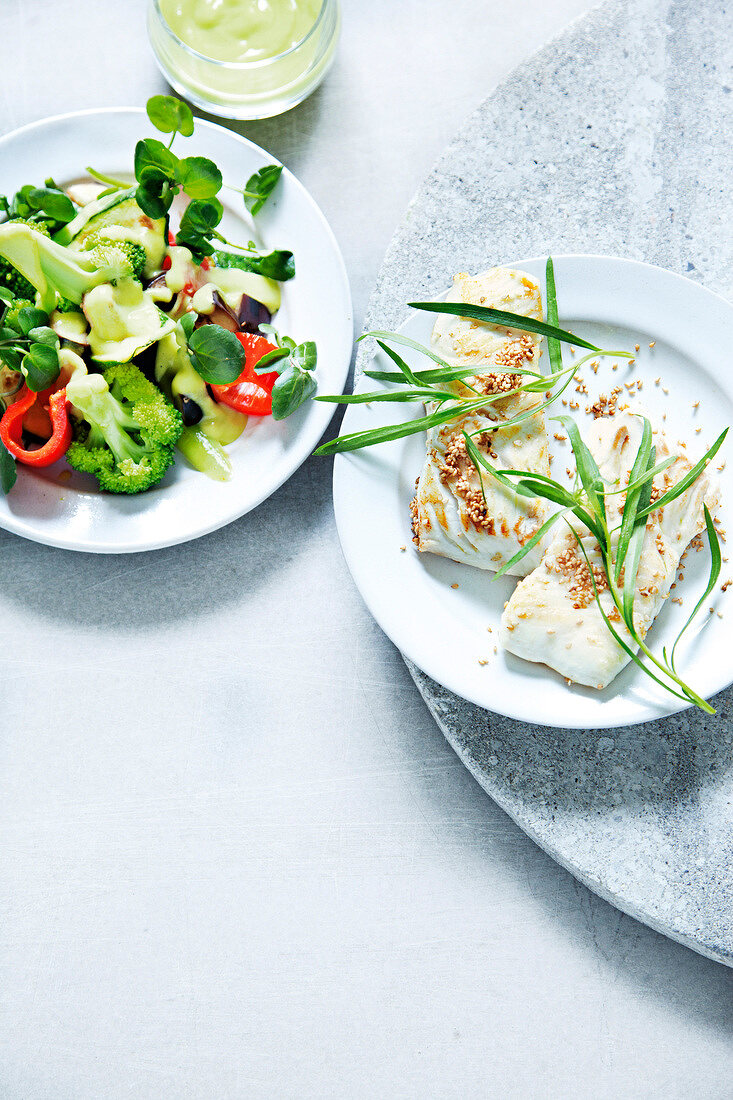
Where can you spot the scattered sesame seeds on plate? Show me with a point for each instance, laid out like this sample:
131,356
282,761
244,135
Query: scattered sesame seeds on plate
680,329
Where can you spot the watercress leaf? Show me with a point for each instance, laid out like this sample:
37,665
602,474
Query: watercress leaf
6,295
216,354
151,153
12,357
266,363
40,367
21,205
200,217
27,318
153,194
260,186
197,246
288,342
44,335
199,177
170,115
188,324
8,471
278,265
305,355
293,387
271,331
52,202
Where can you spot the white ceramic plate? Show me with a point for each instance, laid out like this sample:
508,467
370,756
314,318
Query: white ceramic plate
63,509
615,304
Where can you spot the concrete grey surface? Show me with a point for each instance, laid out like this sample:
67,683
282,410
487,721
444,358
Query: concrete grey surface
237,857
618,139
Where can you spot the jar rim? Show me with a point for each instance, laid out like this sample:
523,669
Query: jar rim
242,66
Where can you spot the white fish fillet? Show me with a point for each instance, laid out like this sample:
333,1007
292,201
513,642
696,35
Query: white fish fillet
552,617
451,515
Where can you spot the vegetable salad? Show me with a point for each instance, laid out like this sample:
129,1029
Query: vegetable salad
122,343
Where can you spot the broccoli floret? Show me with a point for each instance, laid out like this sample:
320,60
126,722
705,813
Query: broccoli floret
11,278
128,431
134,251
55,271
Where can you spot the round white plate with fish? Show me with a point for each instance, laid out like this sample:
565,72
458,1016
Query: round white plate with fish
63,508
445,616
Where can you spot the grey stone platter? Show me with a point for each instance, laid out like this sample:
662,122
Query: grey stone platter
617,138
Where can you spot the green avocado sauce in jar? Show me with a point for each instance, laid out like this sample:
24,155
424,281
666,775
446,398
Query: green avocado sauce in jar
244,58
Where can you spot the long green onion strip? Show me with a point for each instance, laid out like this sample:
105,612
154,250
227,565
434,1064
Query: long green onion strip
587,504
554,347
424,386
452,406
512,321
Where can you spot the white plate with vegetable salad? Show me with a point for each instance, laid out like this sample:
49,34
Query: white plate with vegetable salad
172,301
554,548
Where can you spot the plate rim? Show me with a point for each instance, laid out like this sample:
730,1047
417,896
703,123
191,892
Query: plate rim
352,558
308,441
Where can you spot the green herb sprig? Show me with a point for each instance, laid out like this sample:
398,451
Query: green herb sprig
8,469
216,354
260,186
219,357
160,175
295,364
27,344
47,206
621,546
428,386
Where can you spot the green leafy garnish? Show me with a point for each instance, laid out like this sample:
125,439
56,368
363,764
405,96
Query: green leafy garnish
216,354
508,320
8,470
198,224
260,186
278,264
620,547
295,364
161,175
170,115
27,344
47,205
428,387
553,346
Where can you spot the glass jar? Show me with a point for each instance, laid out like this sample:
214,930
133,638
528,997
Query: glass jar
259,88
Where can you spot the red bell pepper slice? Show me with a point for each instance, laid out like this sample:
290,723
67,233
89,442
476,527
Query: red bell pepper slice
11,428
251,393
